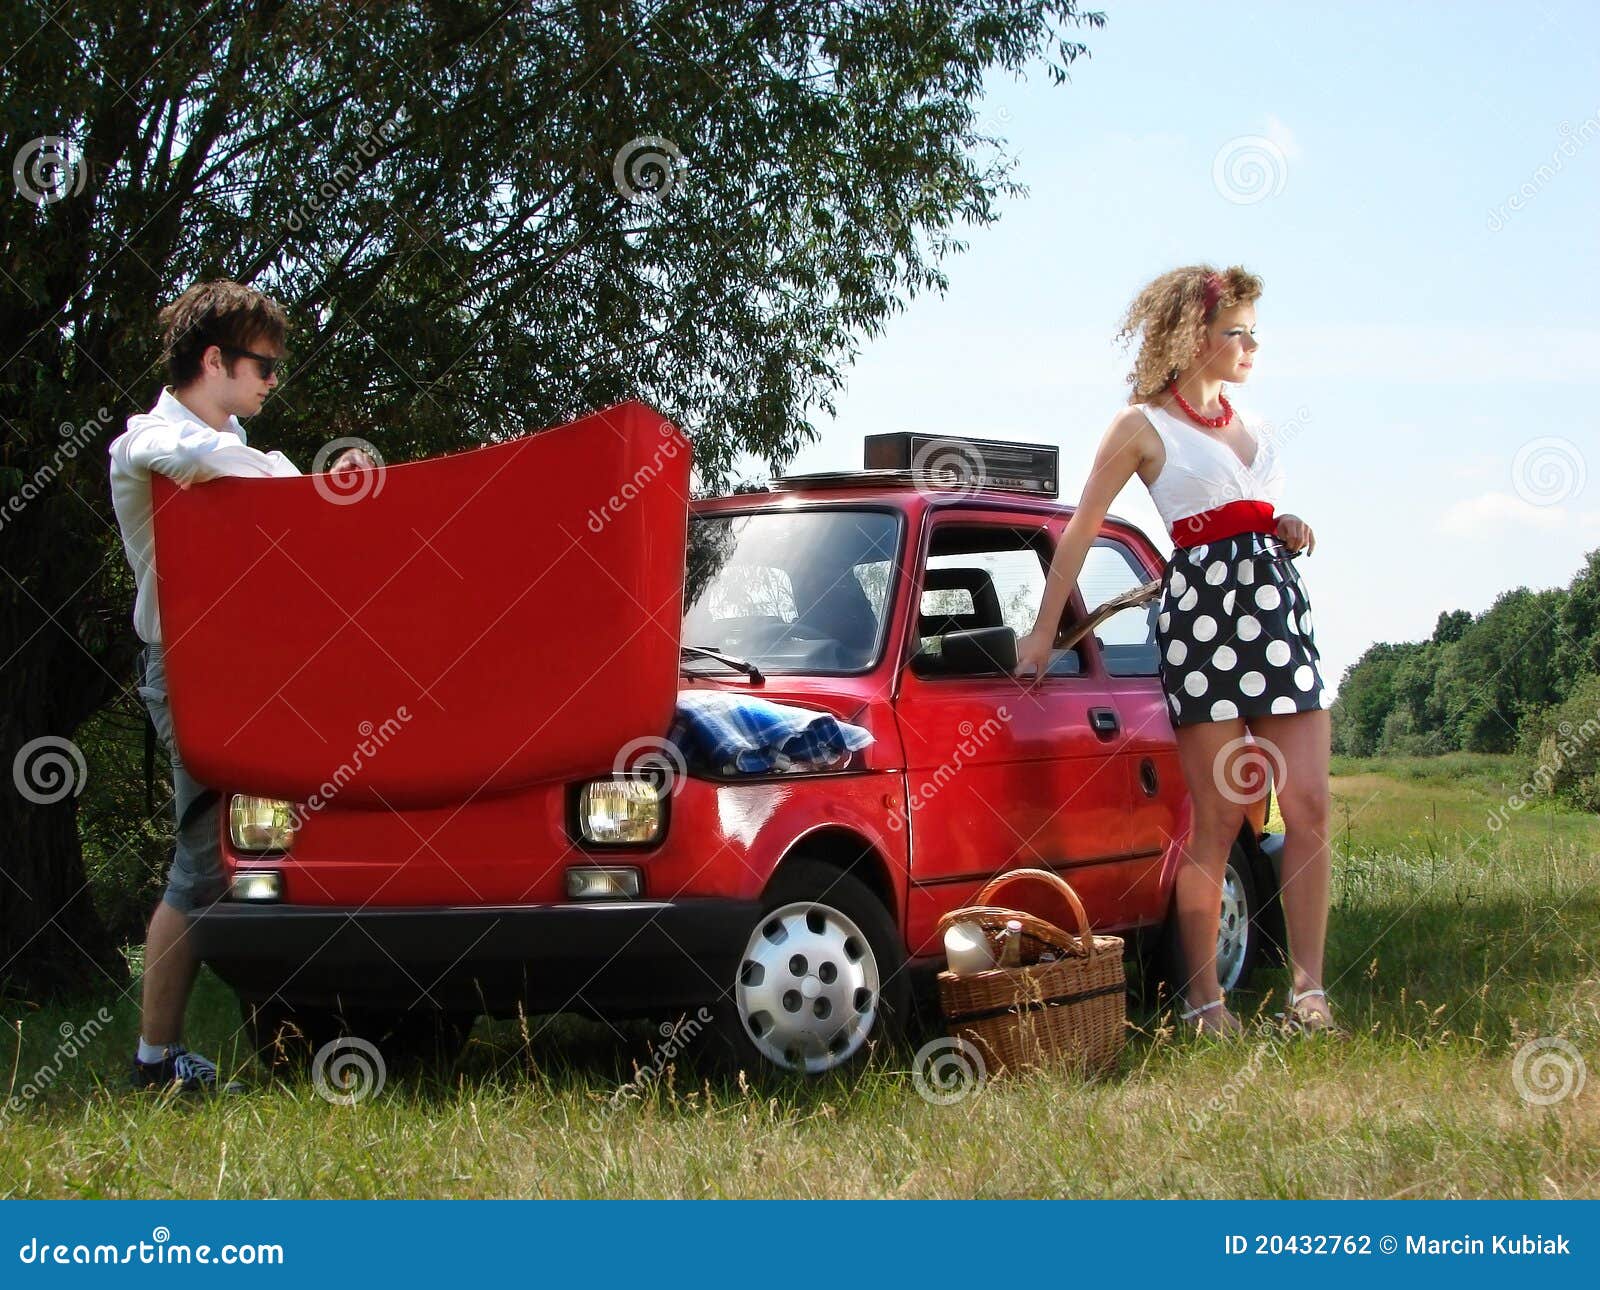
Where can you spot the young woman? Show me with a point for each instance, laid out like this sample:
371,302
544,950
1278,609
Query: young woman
1235,625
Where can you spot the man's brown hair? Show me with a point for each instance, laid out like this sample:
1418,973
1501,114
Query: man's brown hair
217,313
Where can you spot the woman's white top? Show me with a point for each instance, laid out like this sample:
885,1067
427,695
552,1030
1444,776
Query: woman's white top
1202,473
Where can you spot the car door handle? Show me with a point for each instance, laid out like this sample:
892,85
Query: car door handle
1104,721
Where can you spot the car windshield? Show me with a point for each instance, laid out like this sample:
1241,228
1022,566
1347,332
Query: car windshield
789,591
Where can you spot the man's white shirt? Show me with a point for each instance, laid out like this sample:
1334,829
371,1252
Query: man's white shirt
173,441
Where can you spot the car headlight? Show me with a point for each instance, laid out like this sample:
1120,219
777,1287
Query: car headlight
619,811
261,823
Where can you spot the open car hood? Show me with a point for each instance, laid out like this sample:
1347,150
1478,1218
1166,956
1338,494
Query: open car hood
433,630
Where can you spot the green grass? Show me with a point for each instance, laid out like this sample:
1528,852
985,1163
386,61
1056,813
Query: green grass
1451,944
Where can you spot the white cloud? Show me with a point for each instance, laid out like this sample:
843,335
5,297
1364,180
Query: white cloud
1492,514
1283,136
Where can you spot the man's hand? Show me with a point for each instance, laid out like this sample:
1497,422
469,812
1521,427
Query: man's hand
1296,534
352,459
1033,654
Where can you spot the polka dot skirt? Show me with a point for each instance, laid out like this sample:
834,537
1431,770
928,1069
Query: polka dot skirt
1235,633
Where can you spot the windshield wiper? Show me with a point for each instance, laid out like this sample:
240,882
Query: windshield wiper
727,660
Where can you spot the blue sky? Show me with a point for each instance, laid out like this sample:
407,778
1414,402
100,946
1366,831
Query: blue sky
1437,350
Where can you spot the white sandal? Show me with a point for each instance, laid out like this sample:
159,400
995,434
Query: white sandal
1291,1021
1196,1027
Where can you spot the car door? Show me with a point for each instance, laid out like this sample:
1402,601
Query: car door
1127,655
1002,773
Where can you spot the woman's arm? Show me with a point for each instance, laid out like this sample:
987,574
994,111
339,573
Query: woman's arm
1123,450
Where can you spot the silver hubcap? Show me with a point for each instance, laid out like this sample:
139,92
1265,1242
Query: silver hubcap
808,988
1233,931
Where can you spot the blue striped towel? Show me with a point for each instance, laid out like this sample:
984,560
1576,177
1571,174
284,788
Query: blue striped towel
744,734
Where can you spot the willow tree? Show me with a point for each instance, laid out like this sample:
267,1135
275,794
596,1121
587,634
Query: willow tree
483,218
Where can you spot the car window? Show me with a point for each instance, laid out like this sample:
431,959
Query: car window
790,591
1127,639
956,600
751,589
982,576
873,579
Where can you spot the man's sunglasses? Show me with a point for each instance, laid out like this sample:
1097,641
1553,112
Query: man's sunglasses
268,363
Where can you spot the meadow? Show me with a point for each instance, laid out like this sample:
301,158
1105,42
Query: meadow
1461,958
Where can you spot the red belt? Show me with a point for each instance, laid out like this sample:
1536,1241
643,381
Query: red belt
1224,522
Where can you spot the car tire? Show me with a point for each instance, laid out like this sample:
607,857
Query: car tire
821,982
1240,938
287,1038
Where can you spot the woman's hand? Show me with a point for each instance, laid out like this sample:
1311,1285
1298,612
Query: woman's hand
1033,653
1296,534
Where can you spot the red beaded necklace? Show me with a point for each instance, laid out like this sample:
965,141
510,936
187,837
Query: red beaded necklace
1216,423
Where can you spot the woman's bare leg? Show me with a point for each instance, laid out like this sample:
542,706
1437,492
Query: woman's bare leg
1301,743
1214,827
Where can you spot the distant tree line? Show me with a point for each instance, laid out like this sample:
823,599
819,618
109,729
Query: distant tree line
1522,676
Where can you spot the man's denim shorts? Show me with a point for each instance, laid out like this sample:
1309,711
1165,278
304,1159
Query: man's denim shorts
195,878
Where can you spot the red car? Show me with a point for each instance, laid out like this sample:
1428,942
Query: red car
445,730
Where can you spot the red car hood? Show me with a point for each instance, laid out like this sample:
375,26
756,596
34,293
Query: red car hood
465,624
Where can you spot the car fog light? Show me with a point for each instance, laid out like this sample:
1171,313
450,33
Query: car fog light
603,884
258,885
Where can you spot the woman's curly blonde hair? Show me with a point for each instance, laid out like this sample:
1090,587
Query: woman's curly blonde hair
1171,312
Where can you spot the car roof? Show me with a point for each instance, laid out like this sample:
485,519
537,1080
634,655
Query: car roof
902,496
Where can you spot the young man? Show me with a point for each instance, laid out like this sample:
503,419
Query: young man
222,343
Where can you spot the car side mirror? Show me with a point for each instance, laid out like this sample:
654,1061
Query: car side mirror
979,651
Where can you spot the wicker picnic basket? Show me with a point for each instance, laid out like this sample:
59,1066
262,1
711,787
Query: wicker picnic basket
1071,1011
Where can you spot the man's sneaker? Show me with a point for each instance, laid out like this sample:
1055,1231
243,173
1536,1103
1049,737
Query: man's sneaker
181,1071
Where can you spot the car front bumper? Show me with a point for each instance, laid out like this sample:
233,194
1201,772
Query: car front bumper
605,958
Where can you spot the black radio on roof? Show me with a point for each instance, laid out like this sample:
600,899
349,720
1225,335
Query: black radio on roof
953,461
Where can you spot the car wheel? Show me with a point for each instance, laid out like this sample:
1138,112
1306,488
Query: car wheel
821,980
1239,931
287,1038
1239,934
